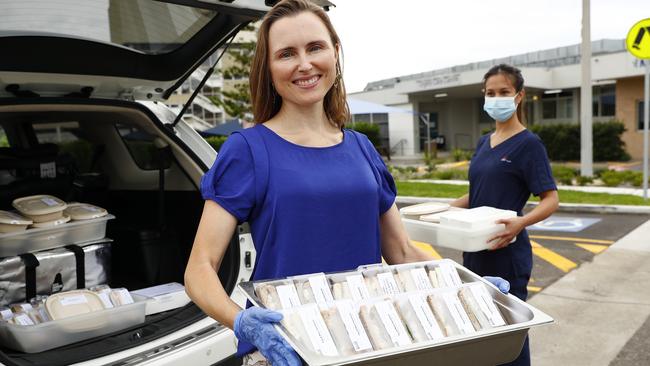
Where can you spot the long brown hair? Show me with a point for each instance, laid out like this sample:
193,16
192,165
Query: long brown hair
514,75
265,99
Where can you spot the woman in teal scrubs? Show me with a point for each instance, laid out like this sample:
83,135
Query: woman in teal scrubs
508,166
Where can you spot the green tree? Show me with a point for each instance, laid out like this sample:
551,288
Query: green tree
236,101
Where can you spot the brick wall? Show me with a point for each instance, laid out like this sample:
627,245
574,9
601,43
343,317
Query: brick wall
629,92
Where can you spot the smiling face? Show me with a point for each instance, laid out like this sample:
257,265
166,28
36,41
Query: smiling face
302,59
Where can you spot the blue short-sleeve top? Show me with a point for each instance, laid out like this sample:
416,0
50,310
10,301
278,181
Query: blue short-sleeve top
320,209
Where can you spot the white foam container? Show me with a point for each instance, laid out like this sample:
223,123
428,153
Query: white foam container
37,239
57,333
475,218
164,297
451,237
11,222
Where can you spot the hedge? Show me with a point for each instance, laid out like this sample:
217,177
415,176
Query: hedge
562,141
368,129
216,141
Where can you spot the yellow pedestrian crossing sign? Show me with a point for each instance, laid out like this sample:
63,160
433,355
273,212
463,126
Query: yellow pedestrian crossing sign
638,39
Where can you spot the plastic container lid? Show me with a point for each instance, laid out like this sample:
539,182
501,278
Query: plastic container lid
56,222
72,303
475,218
424,208
436,216
12,218
84,211
39,205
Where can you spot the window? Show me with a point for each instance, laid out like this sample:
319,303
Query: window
4,142
70,141
142,148
604,101
380,119
639,115
558,106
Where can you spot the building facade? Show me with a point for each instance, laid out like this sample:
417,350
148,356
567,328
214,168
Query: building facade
451,99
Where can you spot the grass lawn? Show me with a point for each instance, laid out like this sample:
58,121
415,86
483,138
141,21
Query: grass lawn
455,191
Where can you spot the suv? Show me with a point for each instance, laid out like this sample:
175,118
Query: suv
83,82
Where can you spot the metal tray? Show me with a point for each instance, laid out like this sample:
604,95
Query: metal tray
37,239
486,347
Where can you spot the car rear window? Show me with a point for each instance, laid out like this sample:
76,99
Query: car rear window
147,26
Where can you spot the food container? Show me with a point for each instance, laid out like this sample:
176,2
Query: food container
465,230
415,211
60,221
38,239
40,208
57,333
84,211
436,216
72,303
491,346
164,297
10,222
475,218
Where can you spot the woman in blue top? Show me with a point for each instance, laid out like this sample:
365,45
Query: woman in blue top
508,165
318,197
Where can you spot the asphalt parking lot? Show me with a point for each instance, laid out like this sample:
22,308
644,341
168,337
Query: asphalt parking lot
564,244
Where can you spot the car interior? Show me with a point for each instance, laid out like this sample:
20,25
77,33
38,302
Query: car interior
119,156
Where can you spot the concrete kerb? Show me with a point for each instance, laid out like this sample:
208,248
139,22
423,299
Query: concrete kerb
564,207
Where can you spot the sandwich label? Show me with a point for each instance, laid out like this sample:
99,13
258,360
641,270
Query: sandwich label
357,287
6,314
449,274
421,279
458,313
288,296
23,319
321,289
425,317
387,283
73,300
487,305
392,323
350,316
317,331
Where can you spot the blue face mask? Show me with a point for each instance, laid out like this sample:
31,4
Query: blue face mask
500,108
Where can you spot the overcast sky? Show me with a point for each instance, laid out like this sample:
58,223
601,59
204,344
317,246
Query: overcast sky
388,38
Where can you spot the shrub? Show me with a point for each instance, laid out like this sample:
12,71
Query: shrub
584,180
564,174
611,178
216,141
461,155
562,141
368,129
444,174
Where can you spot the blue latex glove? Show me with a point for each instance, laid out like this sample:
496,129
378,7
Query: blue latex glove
255,325
500,283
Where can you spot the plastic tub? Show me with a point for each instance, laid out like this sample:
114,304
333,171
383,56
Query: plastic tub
452,237
475,218
60,221
11,222
38,239
57,333
493,346
84,211
426,208
40,208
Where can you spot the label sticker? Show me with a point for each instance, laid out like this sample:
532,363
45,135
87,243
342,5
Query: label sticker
449,275
392,323
426,317
421,279
317,330
358,287
23,319
49,201
73,300
26,307
350,316
487,305
387,283
288,296
6,314
48,170
321,289
458,313
105,300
